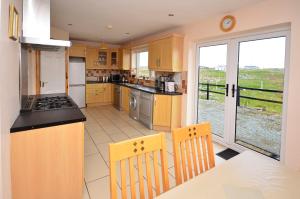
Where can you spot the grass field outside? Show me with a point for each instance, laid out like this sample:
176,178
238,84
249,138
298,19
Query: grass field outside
271,79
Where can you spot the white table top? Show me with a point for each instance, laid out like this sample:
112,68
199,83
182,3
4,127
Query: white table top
246,176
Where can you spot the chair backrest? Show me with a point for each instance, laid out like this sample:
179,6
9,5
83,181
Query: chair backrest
193,151
143,149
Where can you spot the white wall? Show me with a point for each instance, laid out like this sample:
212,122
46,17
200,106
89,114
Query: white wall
9,93
56,33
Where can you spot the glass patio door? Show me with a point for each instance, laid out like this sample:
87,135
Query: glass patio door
241,91
259,93
212,70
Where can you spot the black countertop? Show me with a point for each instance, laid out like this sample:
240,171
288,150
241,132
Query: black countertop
139,87
41,119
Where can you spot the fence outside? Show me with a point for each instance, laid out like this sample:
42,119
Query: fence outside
239,89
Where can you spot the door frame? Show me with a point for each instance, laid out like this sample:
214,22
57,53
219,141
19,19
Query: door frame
232,59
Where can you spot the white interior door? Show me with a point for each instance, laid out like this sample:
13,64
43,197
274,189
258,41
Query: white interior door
53,72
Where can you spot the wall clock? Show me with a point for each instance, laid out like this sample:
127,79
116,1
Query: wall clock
227,23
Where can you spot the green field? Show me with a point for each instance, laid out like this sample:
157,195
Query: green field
250,78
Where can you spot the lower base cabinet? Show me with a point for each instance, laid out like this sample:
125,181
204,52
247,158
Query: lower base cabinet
48,163
166,112
125,92
99,94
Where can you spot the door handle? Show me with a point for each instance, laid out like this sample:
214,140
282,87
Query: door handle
233,90
43,83
226,91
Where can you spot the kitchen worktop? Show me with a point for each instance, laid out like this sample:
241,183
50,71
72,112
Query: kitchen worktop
138,87
41,119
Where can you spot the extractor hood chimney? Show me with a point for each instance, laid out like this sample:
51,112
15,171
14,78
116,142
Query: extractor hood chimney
36,26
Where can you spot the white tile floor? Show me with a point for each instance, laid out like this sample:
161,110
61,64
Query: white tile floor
104,125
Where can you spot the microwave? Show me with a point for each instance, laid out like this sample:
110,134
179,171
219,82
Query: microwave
116,78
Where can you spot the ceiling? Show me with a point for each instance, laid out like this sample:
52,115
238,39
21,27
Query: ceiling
90,18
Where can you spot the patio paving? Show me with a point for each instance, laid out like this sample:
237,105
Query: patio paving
253,127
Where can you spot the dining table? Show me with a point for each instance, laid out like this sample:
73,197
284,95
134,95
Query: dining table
249,175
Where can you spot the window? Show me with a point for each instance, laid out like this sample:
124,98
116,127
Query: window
142,64
140,68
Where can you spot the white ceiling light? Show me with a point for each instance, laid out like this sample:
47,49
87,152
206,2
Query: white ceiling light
109,27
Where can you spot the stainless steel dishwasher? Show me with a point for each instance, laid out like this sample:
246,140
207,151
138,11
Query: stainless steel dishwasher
146,109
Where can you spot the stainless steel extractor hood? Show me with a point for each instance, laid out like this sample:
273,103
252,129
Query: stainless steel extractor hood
36,26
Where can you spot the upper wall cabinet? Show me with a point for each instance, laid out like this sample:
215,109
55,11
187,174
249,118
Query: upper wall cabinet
166,54
125,58
97,58
77,50
114,57
92,56
103,58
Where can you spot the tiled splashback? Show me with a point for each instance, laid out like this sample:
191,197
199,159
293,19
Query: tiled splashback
179,78
98,73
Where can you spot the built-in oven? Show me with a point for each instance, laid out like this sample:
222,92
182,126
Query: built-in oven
134,104
117,97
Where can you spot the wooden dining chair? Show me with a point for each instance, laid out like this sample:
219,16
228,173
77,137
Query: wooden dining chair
147,148
193,151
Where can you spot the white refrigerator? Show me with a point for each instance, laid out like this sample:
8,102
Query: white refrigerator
77,81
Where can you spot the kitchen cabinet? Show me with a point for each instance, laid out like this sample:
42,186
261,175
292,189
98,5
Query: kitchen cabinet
166,54
166,112
48,162
99,94
125,92
77,50
114,58
125,58
92,55
103,58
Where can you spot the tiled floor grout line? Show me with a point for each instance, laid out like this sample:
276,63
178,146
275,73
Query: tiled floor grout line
85,184
97,179
97,147
98,150
118,126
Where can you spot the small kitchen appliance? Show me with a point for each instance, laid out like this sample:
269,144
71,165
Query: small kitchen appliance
170,87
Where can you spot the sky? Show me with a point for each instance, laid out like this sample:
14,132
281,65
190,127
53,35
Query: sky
266,53
143,59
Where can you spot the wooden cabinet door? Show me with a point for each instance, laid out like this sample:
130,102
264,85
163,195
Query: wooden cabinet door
92,93
165,59
125,98
114,58
153,56
103,58
107,93
92,96
91,58
125,59
77,50
162,110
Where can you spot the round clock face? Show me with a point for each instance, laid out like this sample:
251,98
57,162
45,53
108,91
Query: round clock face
227,23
